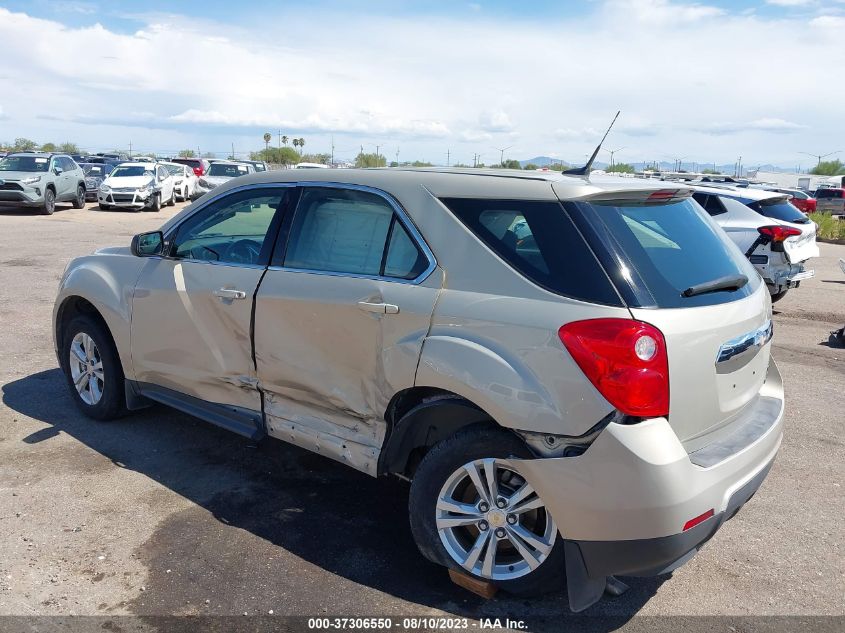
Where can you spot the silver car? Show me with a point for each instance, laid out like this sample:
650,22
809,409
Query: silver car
40,180
219,172
574,375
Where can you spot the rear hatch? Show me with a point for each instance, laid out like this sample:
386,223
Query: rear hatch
661,250
799,248
830,200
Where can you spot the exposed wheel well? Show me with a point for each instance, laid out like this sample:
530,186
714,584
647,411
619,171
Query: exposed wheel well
71,308
420,417
51,187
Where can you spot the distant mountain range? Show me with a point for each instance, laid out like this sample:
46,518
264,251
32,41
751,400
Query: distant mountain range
725,168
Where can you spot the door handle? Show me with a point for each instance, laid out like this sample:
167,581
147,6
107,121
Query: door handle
229,293
378,308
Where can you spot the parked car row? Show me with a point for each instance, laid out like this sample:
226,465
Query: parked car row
573,374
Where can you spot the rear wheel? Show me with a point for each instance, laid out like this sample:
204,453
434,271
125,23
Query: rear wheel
780,295
472,511
92,369
79,201
49,206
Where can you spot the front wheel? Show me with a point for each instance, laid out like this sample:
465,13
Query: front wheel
49,206
92,369
472,511
155,203
172,201
79,201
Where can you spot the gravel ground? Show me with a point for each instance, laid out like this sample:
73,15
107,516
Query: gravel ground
161,514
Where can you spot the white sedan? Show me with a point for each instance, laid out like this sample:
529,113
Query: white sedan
137,186
184,179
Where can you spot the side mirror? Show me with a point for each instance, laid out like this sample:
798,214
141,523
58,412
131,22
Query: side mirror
57,170
147,244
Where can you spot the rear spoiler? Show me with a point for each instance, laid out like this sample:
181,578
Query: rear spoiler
637,197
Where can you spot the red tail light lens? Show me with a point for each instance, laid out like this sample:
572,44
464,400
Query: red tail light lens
778,233
198,171
625,360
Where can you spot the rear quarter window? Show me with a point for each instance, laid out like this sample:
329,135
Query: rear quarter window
539,240
777,209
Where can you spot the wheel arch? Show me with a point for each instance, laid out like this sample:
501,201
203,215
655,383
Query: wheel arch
420,417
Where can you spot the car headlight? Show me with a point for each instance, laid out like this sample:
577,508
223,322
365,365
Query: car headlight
31,181
105,188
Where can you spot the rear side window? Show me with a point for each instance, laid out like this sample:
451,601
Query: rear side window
655,252
539,240
778,209
711,204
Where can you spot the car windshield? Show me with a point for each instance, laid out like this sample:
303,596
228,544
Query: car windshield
176,170
228,170
777,209
94,171
25,163
125,172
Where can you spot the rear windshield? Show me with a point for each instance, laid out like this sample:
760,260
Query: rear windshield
187,161
539,240
778,209
226,169
829,193
655,252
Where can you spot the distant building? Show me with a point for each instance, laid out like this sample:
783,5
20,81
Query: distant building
807,182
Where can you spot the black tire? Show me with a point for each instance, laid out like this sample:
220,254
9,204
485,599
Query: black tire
172,202
112,403
155,203
49,206
79,201
185,195
437,466
780,295
105,207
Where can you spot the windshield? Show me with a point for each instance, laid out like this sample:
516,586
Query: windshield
778,209
125,172
95,171
224,169
176,170
25,163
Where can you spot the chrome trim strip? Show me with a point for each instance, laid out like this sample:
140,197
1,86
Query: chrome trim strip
737,352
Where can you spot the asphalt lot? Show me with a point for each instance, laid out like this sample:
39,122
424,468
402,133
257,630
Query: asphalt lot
161,514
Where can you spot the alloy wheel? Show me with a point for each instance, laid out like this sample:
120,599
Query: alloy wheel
492,522
86,368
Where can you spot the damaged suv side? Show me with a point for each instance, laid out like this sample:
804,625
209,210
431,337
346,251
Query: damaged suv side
571,394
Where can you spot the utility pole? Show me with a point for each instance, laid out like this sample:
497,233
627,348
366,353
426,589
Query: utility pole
233,151
447,158
280,139
502,151
820,156
397,157
612,152
332,161
130,149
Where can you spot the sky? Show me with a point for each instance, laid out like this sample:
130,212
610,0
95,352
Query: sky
702,82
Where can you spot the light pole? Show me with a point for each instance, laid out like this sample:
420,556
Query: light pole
612,152
820,156
502,151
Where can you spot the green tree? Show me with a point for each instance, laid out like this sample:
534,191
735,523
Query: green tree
285,140
187,153
824,168
301,144
460,165
69,148
710,171
24,145
621,168
370,160
531,166
323,159
420,163
511,163
560,166
48,147
280,156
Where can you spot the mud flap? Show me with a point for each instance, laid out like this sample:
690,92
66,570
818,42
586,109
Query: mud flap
583,590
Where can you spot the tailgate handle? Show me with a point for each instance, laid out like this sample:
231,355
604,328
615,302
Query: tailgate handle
378,308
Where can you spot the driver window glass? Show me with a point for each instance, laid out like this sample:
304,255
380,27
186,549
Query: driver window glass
231,230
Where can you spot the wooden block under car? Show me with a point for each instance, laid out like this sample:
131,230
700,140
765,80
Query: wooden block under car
477,586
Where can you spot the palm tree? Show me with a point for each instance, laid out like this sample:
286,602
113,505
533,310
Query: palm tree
296,142
301,144
285,140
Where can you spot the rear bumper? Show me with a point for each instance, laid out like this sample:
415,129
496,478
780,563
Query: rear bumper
621,507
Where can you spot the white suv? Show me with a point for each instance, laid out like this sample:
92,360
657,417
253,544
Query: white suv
773,234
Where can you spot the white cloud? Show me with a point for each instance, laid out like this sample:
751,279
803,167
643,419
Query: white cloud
435,84
791,3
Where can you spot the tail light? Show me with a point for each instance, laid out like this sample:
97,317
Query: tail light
625,360
811,204
198,171
777,233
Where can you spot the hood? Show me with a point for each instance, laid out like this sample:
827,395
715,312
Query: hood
216,180
21,175
134,182
113,250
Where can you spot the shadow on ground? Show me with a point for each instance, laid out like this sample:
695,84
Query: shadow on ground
319,525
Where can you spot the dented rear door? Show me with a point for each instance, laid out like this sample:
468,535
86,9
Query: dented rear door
340,319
